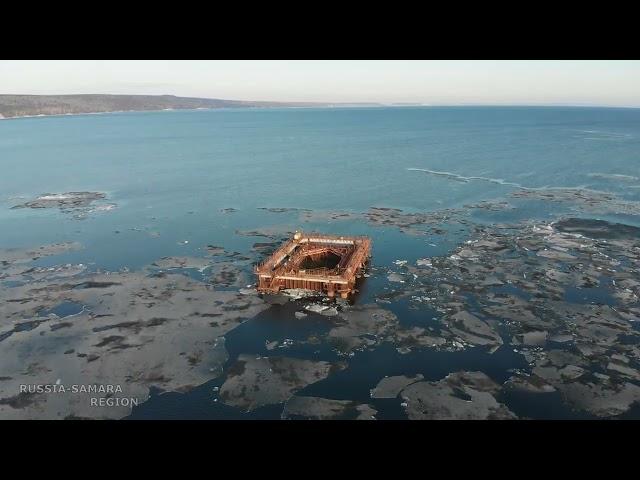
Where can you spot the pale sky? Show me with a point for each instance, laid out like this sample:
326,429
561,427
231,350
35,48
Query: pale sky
435,82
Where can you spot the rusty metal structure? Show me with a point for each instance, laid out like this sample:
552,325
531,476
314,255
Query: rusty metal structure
313,261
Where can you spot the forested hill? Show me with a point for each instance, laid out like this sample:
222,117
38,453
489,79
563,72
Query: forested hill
26,105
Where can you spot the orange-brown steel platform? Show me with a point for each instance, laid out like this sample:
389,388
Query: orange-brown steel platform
325,263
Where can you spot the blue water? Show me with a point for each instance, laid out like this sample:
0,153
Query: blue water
160,166
171,173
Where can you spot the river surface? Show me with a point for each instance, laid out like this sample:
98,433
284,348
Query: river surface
177,181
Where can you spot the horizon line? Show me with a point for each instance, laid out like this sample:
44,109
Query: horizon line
363,103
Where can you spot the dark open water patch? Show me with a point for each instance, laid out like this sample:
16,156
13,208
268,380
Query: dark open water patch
201,403
511,290
632,414
364,372
279,324
599,229
26,326
595,295
276,326
541,406
65,309
411,315
5,335
367,368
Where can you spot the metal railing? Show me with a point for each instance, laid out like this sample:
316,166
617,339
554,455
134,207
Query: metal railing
273,264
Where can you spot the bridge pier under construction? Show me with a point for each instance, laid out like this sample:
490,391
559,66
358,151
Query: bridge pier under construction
329,264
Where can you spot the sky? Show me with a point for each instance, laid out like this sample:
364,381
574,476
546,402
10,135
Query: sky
430,82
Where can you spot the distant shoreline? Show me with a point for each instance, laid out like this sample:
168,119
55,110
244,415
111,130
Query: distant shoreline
46,115
33,106
335,106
